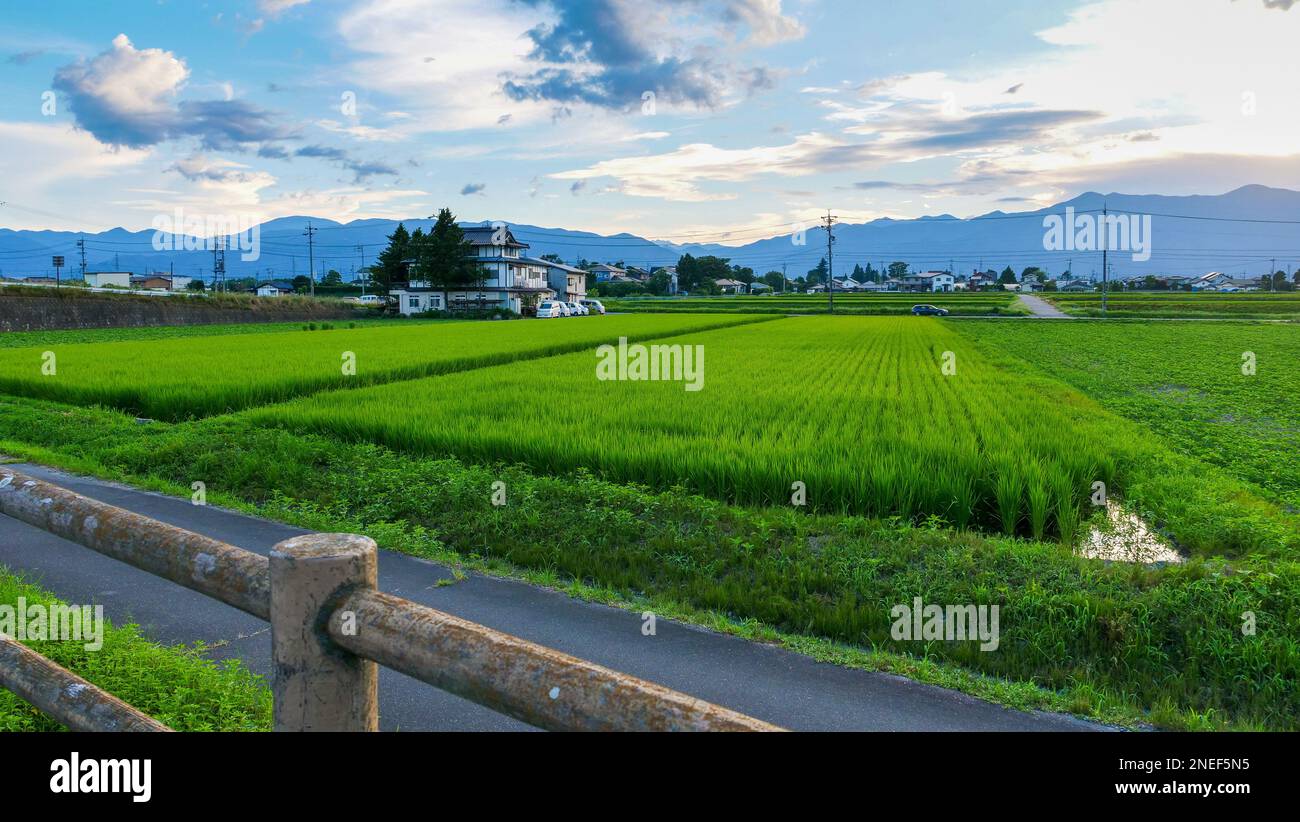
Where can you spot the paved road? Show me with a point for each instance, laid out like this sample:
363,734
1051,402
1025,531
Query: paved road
1042,308
767,682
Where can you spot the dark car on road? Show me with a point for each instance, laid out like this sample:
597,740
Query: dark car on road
931,310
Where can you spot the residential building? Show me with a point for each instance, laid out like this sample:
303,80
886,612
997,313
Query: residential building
729,286
1218,281
606,273
929,281
1074,285
568,283
508,279
152,282
275,288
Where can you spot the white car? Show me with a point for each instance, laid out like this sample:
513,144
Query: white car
548,309
367,299
593,306
577,309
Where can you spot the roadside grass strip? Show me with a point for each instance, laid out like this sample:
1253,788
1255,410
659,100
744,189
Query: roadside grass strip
176,685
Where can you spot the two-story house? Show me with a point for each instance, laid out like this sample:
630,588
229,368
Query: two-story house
568,283
929,281
507,278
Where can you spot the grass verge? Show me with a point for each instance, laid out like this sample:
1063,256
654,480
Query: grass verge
176,685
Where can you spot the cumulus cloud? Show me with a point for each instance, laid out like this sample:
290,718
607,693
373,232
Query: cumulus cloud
609,53
473,188
128,97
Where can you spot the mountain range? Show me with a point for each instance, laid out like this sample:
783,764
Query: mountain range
1243,232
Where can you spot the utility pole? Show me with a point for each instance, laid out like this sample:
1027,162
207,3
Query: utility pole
311,258
361,248
1105,249
783,277
830,261
81,246
219,265
1272,271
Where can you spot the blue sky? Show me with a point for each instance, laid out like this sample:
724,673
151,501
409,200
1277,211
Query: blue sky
764,112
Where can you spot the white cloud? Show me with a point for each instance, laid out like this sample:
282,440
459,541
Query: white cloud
274,8
673,175
471,45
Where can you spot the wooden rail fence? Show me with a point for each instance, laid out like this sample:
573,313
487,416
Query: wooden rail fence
331,628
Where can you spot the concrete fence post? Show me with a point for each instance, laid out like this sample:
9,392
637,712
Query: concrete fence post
317,685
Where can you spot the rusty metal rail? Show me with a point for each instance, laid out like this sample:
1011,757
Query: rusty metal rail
331,628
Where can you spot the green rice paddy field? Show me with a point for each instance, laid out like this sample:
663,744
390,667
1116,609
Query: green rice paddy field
179,377
1173,304
952,460
979,304
1186,382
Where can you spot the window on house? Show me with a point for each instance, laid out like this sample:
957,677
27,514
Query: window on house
413,302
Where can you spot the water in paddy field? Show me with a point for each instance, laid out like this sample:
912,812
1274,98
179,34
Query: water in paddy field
1125,537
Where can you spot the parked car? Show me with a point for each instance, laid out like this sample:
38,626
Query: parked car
926,309
577,309
593,306
547,309
373,300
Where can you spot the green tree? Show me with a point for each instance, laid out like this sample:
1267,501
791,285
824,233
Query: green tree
1033,274
195,285
658,283
818,275
697,274
1008,276
775,280
301,283
898,269
443,256
332,278
390,266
